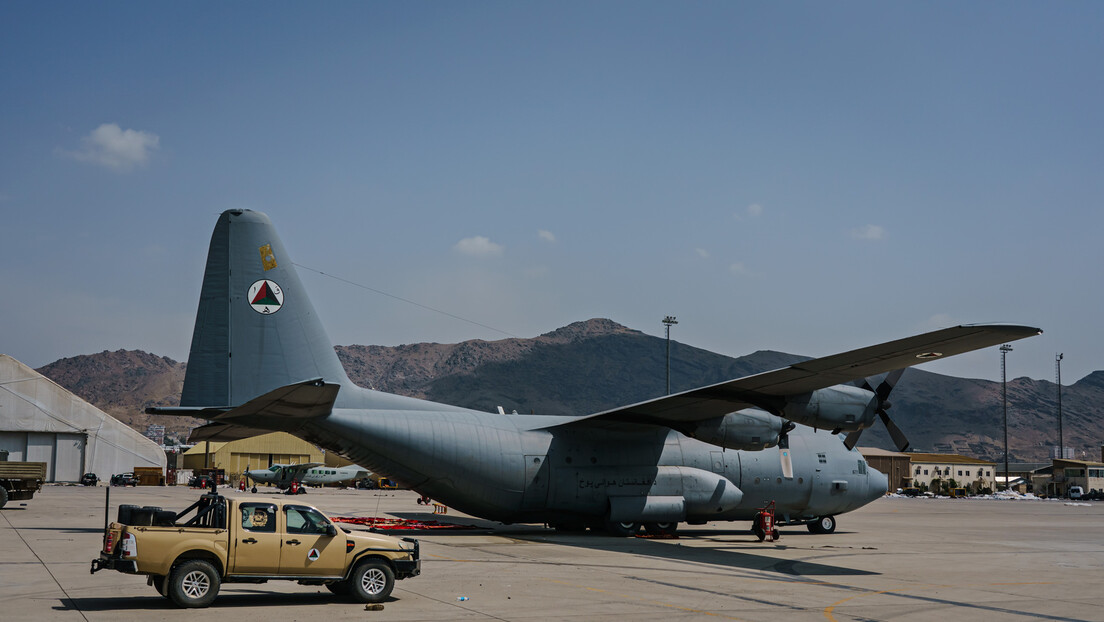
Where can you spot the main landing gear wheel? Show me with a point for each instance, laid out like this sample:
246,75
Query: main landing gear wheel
661,529
824,524
622,530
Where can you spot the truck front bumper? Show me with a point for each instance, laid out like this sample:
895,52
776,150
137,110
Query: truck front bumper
409,567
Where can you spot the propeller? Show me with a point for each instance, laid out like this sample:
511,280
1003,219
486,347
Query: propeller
882,395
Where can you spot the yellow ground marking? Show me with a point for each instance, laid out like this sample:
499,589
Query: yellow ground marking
831,608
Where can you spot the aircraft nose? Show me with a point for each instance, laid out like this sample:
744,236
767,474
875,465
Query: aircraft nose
876,484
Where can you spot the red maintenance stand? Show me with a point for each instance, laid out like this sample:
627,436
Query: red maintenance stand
764,528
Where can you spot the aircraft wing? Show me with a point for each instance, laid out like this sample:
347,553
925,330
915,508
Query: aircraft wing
768,390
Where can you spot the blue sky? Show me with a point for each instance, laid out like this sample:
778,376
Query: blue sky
802,177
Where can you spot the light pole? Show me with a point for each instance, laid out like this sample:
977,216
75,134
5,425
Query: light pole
1005,349
668,322
1058,368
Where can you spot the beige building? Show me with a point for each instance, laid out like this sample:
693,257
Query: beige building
1087,475
894,464
257,452
970,473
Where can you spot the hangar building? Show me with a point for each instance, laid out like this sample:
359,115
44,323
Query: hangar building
257,452
40,421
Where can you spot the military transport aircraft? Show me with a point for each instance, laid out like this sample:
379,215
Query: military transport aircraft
261,361
316,473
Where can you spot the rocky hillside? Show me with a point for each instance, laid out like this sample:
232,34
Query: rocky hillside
598,364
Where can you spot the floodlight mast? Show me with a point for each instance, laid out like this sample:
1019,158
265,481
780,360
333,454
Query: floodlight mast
1004,350
1058,368
668,322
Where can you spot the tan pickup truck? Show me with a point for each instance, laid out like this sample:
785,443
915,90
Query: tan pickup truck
188,555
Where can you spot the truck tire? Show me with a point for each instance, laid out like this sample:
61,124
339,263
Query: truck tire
3,496
371,581
193,583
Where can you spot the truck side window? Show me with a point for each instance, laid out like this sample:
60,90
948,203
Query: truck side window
260,517
302,519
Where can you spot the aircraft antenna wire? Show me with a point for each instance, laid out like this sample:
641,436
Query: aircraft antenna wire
400,298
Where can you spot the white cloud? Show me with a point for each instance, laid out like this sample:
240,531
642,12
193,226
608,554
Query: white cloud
704,254
547,236
738,268
754,209
478,246
115,148
868,232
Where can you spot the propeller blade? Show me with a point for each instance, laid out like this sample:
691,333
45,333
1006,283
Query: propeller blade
852,439
888,383
895,432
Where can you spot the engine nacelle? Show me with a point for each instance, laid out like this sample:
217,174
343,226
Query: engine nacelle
841,408
751,430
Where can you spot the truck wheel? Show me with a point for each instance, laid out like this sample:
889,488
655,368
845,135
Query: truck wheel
372,581
3,496
193,584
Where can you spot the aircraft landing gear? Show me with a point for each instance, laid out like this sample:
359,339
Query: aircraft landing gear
622,530
661,529
822,525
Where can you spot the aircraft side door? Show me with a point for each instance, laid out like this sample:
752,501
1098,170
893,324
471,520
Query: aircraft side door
308,549
257,543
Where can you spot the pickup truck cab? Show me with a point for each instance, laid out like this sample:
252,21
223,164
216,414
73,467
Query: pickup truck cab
252,540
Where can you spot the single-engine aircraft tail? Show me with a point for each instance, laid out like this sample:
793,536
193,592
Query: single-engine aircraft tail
261,361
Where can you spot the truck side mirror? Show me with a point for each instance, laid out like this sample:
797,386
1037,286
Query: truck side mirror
331,531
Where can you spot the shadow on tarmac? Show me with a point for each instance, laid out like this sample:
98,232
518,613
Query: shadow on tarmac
154,602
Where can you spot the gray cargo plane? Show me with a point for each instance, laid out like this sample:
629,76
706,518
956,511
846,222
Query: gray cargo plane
261,361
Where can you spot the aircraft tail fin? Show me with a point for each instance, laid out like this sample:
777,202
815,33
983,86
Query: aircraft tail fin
255,330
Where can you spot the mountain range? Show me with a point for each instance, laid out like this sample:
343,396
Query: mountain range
599,364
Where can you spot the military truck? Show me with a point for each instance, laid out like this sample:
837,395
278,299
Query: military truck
20,480
186,556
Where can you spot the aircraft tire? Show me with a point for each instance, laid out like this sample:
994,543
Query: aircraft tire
253,490
622,530
193,584
372,581
661,529
823,525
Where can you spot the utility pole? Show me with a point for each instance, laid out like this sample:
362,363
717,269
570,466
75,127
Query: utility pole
1005,349
668,322
1058,367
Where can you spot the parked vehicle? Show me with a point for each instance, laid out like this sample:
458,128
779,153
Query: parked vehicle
255,540
20,480
124,479
1076,492
89,479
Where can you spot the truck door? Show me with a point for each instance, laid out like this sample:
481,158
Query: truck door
308,549
256,545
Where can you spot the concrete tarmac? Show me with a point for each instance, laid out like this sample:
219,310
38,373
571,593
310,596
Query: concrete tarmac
896,559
